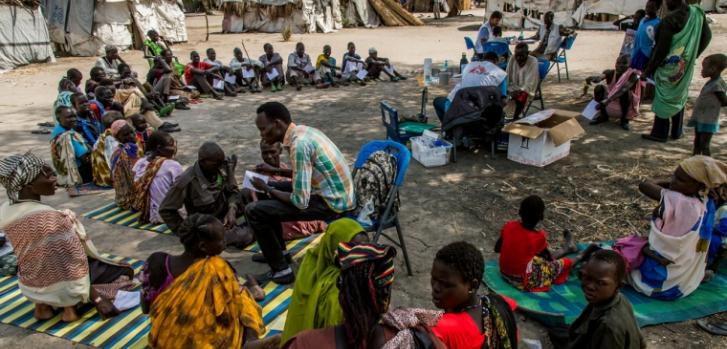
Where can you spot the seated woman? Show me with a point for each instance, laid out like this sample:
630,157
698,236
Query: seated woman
122,161
525,260
675,257
70,153
315,297
367,272
195,300
470,321
58,265
154,175
103,149
621,96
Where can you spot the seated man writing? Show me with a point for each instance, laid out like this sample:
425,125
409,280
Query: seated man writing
300,67
321,186
246,71
199,74
522,78
208,187
272,74
326,68
352,65
621,96
228,88
376,65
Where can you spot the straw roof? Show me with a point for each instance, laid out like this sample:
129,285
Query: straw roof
23,3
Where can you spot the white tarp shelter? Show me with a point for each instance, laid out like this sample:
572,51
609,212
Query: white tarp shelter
85,27
24,36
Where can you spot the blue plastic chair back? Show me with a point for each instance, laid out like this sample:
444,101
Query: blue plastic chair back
498,47
398,150
568,42
543,67
469,43
390,119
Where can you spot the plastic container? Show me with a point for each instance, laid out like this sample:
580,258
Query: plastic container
430,151
444,78
427,68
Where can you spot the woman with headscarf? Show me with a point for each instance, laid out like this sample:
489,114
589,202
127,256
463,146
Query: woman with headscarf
154,176
70,152
314,303
122,162
58,265
675,257
366,276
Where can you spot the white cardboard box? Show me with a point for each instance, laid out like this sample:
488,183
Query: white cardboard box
542,138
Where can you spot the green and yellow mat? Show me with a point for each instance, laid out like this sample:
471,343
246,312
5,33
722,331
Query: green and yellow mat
110,213
563,303
126,330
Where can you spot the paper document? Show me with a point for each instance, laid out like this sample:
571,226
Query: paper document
248,73
126,300
173,98
362,74
218,84
273,74
590,112
230,79
247,181
533,119
309,68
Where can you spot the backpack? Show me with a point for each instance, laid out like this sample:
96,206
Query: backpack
372,183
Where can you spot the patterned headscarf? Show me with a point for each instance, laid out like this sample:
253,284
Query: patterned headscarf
705,170
117,125
17,171
349,256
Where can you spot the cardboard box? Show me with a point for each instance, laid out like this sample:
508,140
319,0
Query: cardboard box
542,138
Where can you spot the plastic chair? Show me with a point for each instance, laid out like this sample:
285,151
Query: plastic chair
562,57
543,69
400,131
388,219
469,43
501,49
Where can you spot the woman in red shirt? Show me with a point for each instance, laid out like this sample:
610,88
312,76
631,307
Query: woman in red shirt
469,320
525,260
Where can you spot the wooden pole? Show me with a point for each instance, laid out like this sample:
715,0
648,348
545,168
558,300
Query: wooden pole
207,25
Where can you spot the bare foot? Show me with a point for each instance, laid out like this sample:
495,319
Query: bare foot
265,343
69,314
570,244
257,292
43,311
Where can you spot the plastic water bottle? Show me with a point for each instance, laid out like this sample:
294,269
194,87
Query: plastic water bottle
445,67
521,37
463,63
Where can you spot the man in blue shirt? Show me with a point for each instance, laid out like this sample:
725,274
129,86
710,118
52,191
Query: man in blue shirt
645,37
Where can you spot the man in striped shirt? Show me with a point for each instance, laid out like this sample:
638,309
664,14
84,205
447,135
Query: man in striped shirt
321,186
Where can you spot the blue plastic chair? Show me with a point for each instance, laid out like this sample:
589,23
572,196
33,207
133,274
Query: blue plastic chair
562,57
387,218
501,49
469,43
543,69
401,131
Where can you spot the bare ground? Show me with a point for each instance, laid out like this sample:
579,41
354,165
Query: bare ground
593,192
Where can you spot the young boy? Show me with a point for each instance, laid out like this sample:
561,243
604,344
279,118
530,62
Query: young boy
142,131
525,261
608,321
705,116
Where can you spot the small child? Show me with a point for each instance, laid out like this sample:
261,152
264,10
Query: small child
142,131
608,321
705,116
525,261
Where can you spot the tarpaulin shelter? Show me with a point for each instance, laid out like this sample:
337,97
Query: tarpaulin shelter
85,27
309,16
24,36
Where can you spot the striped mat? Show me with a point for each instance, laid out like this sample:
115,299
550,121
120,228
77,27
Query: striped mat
110,213
126,330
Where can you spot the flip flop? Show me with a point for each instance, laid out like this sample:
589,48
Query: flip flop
716,328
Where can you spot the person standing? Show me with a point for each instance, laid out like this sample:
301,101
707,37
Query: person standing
321,187
682,36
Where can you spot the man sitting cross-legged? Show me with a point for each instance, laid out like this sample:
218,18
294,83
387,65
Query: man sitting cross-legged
207,187
321,186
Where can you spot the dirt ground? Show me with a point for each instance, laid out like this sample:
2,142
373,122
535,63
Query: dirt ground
593,192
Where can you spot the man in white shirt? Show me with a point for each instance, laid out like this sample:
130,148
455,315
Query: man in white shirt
300,67
485,31
522,78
